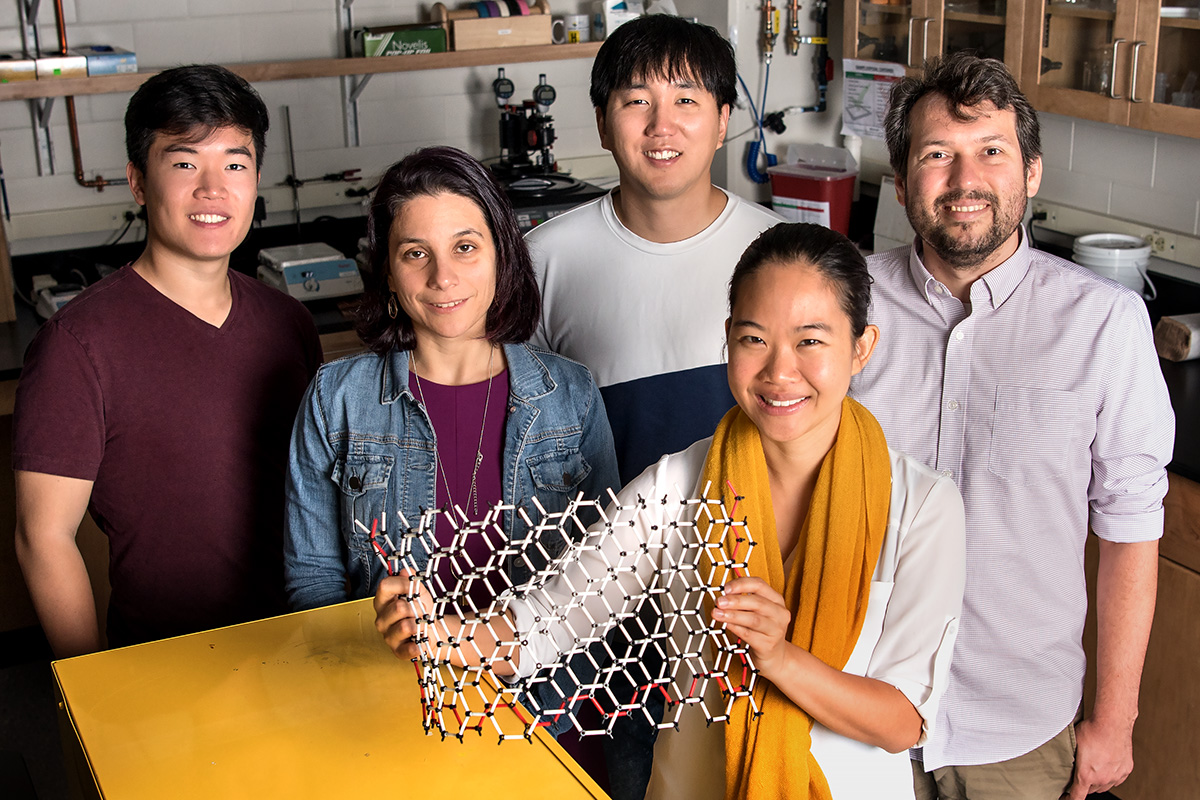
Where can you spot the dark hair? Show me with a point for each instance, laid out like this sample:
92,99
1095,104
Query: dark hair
665,47
833,255
517,305
193,101
965,80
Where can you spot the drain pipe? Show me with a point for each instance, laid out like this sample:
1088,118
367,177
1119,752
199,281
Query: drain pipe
98,183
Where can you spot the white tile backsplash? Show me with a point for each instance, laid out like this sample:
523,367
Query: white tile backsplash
1088,192
1144,177
1154,207
1057,132
1122,155
1177,166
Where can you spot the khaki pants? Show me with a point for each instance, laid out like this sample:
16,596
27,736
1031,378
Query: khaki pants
1042,774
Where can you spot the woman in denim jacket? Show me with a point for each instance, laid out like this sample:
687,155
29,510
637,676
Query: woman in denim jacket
450,301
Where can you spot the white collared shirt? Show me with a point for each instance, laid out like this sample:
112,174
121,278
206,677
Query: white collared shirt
1044,400
906,639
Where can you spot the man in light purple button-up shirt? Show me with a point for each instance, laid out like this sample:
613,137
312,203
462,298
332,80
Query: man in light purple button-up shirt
1035,384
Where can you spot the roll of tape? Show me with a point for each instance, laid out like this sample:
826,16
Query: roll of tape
482,8
493,8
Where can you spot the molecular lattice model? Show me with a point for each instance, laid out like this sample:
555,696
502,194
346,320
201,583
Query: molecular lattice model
624,590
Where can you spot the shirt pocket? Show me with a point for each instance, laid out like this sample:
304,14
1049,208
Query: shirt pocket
560,472
1034,432
556,478
363,483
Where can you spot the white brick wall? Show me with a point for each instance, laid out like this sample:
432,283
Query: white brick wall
1112,170
397,112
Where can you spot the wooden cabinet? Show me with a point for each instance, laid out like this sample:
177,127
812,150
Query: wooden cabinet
1166,738
912,31
1117,61
882,32
1168,64
1127,62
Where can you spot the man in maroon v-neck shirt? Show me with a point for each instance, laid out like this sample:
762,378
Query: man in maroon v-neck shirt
161,399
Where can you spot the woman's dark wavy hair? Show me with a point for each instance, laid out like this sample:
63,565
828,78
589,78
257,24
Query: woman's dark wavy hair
833,255
665,47
965,80
517,306
193,101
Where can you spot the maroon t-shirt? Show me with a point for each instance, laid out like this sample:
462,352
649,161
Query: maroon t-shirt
184,429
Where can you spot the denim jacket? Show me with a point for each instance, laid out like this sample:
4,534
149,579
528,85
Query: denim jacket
363,447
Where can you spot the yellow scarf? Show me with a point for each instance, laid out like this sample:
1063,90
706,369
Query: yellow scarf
770,756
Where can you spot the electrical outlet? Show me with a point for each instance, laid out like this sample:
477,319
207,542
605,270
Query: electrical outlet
1162,244
43,282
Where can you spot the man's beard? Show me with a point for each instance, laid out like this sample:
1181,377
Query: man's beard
958,252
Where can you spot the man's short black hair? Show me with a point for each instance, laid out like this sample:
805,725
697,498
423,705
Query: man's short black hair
965,80
668,48
193,101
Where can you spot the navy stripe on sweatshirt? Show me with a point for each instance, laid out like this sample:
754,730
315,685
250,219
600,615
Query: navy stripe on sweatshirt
663,414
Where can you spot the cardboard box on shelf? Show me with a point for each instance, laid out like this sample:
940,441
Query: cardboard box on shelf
67,66
478,34
15,67
105,60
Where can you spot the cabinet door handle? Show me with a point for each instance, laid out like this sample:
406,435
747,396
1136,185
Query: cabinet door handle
925,38
1112,74
911,20
1133,73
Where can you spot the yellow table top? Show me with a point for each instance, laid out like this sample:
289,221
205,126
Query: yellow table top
305,705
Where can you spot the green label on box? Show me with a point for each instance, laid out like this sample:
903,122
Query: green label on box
404,43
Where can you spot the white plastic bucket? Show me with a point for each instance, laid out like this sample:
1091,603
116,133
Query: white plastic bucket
1118,257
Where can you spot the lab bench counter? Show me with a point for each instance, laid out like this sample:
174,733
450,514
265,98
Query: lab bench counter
307,705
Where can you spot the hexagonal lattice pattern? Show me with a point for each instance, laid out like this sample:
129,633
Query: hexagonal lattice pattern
674,554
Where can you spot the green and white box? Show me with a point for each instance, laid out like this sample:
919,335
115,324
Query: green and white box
403,40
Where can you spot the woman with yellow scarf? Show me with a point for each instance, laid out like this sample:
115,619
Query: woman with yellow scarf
851,605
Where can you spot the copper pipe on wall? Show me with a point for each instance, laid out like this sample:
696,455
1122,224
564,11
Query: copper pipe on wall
61,23
793,36
98,183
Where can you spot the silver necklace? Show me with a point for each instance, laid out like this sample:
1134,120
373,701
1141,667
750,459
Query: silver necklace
473,495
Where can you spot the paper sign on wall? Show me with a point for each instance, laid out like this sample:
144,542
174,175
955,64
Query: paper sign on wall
866,88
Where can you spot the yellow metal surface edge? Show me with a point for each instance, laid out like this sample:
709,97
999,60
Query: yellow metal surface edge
80,776
320,667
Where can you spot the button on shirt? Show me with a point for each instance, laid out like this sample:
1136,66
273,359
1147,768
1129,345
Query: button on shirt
1044,400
